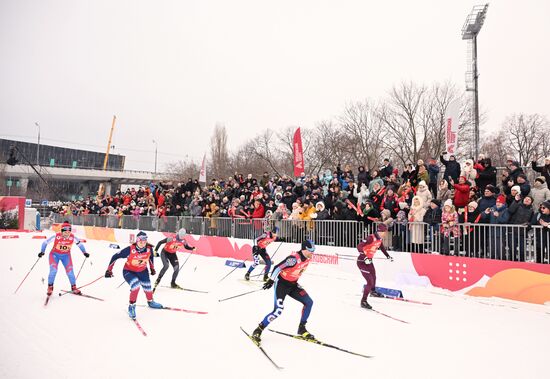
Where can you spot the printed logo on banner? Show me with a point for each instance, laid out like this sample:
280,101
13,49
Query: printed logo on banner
28,203
114,246
326,259
132,238
231,263
44,203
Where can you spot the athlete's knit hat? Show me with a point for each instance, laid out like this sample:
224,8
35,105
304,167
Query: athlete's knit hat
308,245
141,236
66,226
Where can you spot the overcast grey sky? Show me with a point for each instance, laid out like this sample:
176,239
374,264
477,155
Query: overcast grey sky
171,70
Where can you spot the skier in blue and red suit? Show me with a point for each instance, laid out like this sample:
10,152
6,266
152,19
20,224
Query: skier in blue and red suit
135,271
285,277
367,248
259,250
61,251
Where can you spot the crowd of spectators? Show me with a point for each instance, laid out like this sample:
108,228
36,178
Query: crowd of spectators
439,193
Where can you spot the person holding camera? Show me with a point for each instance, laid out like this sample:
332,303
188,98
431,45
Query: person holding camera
497,215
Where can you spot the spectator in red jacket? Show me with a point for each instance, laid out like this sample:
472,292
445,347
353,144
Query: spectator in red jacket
462,192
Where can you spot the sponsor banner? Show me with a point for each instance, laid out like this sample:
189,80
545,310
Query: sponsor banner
231,263
9,237
114,246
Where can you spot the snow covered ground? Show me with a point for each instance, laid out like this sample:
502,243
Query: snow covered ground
75,337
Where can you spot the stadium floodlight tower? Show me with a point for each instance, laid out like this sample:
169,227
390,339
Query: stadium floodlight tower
470,30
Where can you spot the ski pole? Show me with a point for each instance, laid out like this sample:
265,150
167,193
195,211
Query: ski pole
120,285
77,275
229,273
281,244
85,285
189,256
242,294
20,284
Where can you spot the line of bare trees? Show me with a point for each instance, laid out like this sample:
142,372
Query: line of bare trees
406,125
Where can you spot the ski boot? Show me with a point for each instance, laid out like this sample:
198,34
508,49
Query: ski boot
50,289
154,304
132,311
266,277
174,285
257,333
75,290
247,276
302,332
365,304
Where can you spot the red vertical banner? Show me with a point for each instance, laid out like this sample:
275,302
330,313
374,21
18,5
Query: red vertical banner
298,153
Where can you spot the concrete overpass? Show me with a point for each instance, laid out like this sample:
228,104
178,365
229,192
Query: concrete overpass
111,179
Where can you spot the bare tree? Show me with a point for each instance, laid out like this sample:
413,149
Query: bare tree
361,124
403,131
181,170
219,155
524,134
496,148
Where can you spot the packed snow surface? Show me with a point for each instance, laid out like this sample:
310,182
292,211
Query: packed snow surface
76,337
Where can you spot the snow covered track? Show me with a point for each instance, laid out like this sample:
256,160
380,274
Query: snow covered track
456,337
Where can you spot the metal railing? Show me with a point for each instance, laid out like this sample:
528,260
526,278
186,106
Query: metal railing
504,242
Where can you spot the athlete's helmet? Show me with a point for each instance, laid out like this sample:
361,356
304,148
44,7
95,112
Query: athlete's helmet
181,233
308,245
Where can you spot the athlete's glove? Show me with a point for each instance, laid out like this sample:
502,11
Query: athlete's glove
41,254
87,255
108,274
268,284
153,272
156,254
194,248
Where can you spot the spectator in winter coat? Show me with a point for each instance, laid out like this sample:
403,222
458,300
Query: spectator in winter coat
432,216
433,171
281,213
363,176
408,173
462,192
488,199
469,172
424,193
544,170
452,167
524,185
370,213
521,213
377,193
422,175
539,192
362,195
486,176
322,213
393,183
471,235
443,191
497,215
386,169
515,171
449,227
390,202
416,227
542,233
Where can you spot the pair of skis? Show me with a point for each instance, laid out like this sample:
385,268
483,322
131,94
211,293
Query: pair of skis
312,340
142,331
